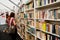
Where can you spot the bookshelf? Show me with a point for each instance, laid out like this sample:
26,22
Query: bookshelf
40,20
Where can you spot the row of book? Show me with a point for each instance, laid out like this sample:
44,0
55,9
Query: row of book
21,15
31,29
30,22
30,5
43,14
29,37
48,27
22,30
44,2
48,14
21,9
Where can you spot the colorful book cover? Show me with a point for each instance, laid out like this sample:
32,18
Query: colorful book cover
37,24
54,13
56,28
40,2
53,31
44,2
25,15
58,14
59,31
44,26
48,27
43,13
43,36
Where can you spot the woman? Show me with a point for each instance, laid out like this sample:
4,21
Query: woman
13,23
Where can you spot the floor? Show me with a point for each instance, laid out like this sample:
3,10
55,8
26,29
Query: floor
5,36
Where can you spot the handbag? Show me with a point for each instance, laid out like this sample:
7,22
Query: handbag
11,28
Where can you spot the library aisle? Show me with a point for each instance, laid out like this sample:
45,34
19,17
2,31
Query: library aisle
35,19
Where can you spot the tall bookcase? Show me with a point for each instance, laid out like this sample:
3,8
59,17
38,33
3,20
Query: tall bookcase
40,20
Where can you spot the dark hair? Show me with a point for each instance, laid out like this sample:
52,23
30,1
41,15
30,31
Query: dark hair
12,14
7,15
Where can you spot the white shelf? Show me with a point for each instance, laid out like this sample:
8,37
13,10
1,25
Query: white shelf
39,38
48,5
52,19
21,4
22,12
31,26
50,33
19,35
29,9
29,1
31,33
48,19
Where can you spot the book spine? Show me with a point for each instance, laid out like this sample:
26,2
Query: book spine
53,31
44,26
58,14
54,14
44,2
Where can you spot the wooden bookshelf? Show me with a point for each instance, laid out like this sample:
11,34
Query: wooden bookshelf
41,20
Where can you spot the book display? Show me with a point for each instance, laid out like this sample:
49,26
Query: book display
40,20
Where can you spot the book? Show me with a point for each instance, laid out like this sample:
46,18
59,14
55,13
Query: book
38,34
30,15
40,14
25,15
45,2
58,14
36,15
48,1
55,14
53,31
48,27
56,28
37,2
30,5
52,1
44,26
43,13
37,24
43,36
42,2
52,14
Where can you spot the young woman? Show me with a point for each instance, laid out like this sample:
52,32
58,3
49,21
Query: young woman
13,23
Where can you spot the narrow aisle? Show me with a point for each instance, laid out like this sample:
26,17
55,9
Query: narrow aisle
5,36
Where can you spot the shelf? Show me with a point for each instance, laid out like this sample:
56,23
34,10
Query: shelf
22,12
19,35
29,9
49,33
31,26
56,20
22,5
54,4
31,33
21,18
39,38
30,18
28,2
52,19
